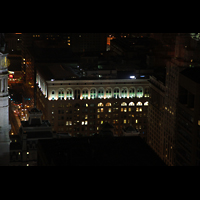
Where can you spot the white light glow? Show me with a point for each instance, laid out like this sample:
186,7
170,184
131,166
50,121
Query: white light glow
132,77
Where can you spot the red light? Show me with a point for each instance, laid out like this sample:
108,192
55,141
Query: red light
10,76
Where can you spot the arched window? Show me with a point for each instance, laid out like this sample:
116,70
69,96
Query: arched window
124,92
131,104
100,104
100,93
139,92
108,104
85,94
61,94
123,104
116,93
93,93
108,93
146,92
77,94
131,92
139,103
146,103
53,95
69,94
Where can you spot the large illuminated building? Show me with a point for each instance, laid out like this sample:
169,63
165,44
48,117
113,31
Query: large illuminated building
79,106
4,108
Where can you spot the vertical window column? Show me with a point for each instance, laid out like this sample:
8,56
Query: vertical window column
0,84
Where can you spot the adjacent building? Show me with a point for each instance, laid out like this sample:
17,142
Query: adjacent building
23,147
164,110
187,130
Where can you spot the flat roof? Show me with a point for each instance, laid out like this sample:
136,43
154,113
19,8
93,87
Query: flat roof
98,151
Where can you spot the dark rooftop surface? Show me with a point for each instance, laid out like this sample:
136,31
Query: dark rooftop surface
192,73
94,151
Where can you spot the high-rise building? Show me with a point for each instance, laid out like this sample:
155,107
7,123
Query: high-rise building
186,55
187,132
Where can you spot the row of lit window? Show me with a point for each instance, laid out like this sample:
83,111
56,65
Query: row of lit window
100,94
69,123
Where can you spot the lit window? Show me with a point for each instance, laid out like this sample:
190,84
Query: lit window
109,110
101,122
27,164
146,92
139,103
86,122
199,122
124,92
146,103
86,116
108,93
116,93
138,109
136,121
69,94
139,92
93,93
129,109
124,104
100,93
82,123
101,109
85,94
100,104
98,116
60,94
27,153
124,121
131,93
131,104
108,104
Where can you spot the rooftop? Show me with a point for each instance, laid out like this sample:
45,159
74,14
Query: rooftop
98,151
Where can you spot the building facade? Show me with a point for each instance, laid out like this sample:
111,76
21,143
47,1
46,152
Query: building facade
4,111
188,119
156,113
23,147
186,55
81,106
